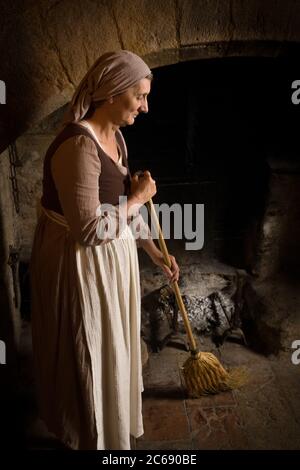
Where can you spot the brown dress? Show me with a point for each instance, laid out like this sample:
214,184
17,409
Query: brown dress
85,303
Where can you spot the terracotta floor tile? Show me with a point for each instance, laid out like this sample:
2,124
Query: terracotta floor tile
216,428
165,420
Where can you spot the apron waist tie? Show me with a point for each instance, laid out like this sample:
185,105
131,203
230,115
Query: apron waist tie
54,216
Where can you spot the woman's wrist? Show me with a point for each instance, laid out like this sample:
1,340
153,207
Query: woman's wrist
151,249
133,205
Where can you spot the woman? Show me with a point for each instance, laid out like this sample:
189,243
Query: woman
85,277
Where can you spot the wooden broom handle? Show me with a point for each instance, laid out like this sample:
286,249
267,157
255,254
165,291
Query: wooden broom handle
175,287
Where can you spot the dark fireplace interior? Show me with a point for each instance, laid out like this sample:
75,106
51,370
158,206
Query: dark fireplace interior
213,127
222,133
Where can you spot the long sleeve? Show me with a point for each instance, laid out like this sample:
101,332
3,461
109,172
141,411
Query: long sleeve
76,169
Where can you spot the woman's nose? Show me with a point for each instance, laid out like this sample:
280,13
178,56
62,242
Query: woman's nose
144,106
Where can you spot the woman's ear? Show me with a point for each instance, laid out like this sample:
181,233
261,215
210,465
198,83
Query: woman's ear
110,100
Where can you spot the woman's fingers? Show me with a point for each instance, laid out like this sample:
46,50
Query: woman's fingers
143,186
173,271
167,271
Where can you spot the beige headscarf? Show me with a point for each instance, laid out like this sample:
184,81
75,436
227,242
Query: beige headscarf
111,75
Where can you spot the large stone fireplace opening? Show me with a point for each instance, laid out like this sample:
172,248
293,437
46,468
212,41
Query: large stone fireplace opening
222,133
206,140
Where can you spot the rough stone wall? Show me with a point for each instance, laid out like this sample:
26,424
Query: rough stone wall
48,45
9,317
31,149
289,246
280,233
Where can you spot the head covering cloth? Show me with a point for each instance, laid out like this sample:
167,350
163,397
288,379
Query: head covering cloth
110,75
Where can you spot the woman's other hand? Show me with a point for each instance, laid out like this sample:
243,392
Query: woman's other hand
143,187
172,273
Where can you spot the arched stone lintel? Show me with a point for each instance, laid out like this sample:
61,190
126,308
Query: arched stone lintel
223,49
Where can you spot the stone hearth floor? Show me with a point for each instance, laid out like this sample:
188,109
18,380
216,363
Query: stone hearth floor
263,414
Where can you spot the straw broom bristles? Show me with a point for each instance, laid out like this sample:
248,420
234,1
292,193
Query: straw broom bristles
202,371
204,374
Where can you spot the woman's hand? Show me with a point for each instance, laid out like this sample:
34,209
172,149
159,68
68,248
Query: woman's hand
173,272
143,187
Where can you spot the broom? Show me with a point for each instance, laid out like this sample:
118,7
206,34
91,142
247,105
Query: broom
202,371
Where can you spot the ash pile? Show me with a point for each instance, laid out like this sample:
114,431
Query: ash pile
216,315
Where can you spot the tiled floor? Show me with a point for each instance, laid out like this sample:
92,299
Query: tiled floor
263,414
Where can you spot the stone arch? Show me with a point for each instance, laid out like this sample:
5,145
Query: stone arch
48,46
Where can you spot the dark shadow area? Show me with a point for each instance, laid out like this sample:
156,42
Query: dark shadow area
211,129
165,392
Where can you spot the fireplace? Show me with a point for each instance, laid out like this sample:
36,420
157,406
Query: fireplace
206,140
221,133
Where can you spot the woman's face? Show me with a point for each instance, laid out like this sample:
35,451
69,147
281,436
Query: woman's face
128,105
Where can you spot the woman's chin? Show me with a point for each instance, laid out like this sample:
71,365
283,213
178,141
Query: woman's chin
127,122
